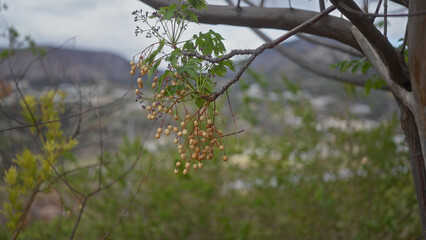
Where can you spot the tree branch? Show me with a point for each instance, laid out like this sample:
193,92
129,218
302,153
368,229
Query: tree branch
331,45
319,69
269,45
277,18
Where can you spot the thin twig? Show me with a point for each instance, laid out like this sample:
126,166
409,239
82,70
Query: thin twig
222,58
126,209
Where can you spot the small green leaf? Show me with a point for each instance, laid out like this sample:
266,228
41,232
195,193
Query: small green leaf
289,85
198,4
200,102
150,59
153,69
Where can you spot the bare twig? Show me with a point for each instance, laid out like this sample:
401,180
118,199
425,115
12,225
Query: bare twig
222,58
126,209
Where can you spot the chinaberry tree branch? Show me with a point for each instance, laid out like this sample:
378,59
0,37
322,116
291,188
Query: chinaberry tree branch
331,44
221,58
319,69
275,18
269,45
317,40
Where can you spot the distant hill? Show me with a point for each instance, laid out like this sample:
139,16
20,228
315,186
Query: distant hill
67,65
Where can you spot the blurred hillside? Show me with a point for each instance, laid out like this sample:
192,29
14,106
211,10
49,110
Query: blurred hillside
66,65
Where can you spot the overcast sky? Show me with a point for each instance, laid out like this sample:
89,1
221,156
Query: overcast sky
108,25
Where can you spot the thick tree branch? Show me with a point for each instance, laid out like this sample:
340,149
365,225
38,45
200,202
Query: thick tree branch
277,18
331,45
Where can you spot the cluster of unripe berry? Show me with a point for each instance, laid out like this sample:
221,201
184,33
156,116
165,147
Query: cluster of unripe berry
196,135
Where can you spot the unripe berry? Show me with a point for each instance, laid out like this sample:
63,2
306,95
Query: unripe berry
194,156
178,164
184,131
175,129
182,124
137,91
179,133
195,166
159,130
132,63
153,85
176,171
225,158
155,79
140,81
157,136
221,147
185,171
167,132
175,141
170,127
209,121
187,165
201,118
200,165
182,156
132,72
176,117
195,123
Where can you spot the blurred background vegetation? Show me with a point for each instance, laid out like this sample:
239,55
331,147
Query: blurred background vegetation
298,171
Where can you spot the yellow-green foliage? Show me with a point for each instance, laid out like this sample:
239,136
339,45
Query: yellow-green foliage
34,168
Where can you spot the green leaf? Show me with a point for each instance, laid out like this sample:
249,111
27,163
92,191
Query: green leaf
150,59
4,54
192,16
289,85
365,67
200,102
229,64
243,85
259,78
153,68
198,4
168,12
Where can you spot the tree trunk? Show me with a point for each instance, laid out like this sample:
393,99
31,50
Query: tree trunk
418,172
414,124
